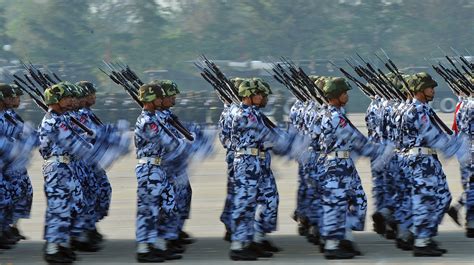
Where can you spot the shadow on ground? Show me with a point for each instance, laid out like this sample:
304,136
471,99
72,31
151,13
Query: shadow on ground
295,251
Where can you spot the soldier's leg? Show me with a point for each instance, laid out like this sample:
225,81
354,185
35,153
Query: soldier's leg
104,193
334,200
227,211
151,185
5,204
470,206
247,176
58,185
403,212
378,194
301,191
425,204
442,192
266,216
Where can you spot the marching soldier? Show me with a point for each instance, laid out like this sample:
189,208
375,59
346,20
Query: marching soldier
156,196
64,194
343,199
249,135
104,189
421,137
225,126
15,172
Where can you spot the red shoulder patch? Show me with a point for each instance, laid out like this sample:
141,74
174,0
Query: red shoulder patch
63,127
252,118
342,122
154,127
424,118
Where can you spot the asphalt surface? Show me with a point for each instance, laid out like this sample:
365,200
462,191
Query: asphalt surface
209,181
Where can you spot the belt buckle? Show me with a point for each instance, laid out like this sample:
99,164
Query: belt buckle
157,160
66,159
254,151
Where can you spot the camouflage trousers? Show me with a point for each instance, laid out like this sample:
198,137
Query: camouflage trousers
22,193
403,180
343,199
65,201
315,171
183,191
155,203
301,196
268,199
430,194
247,179
104,193
467,179
6,201
87,219
226,215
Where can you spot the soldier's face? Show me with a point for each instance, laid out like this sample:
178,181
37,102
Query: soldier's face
257,100
429,94
169,102
91,99
67,103
12,102
264,102
344,98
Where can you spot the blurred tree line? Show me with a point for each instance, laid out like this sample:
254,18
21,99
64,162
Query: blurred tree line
168,34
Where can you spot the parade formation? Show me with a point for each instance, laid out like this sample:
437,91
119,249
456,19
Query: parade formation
404,138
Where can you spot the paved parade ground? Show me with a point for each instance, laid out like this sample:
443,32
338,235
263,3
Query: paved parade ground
208,180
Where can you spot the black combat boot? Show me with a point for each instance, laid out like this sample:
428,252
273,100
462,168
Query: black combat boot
470,232
436,245
6,242
259,251
269,246
166,254
379,223
242,254
89,246
405,244
68,252
338,254
175,246
427,251
149,257
185,238
227,236
349,246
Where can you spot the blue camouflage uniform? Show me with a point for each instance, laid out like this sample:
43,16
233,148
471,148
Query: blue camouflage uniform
104,189
17,175
176,172
65,198
296,120
429,192
247,136
465,124
225,126
156,196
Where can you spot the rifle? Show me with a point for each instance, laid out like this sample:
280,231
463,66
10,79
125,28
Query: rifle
436,119
222,84
43,106
131,88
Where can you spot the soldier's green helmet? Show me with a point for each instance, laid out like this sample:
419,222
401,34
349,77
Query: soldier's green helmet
263,86
170,88
236,81
250,87
18,90
334,86
87,87
53,94
149,92
7,90
418,82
